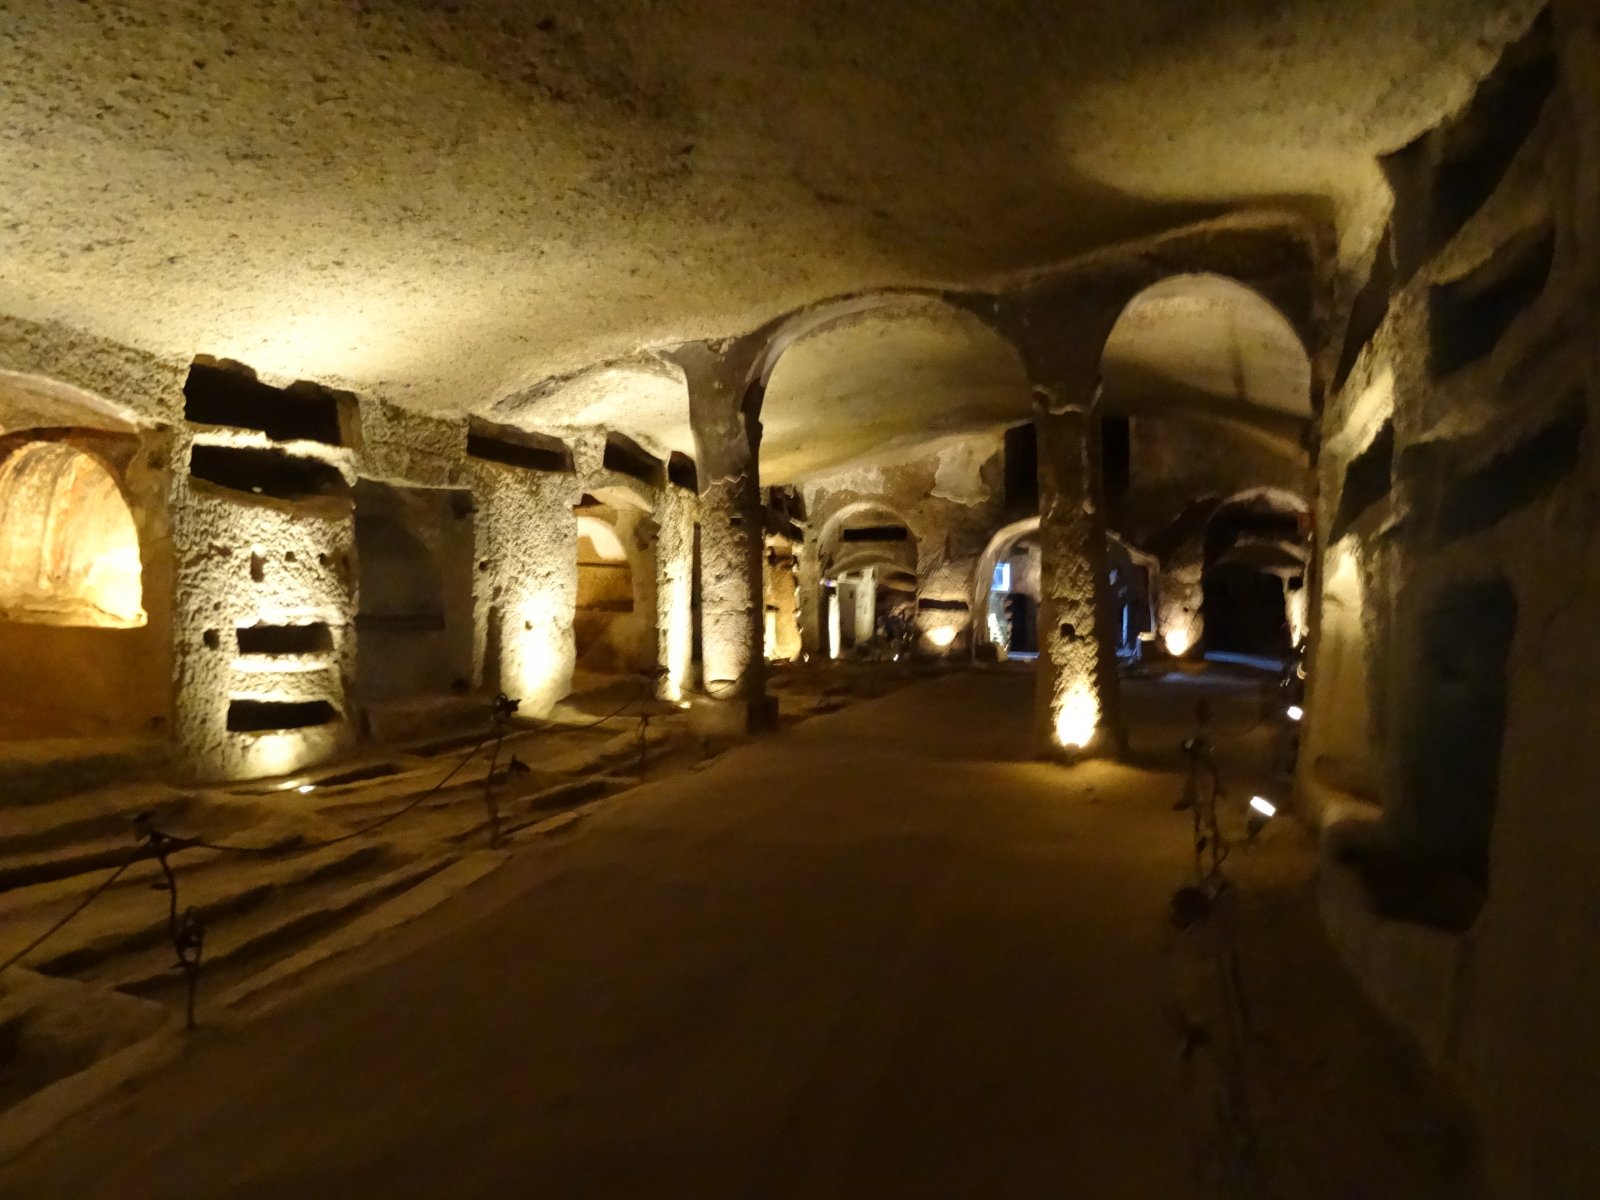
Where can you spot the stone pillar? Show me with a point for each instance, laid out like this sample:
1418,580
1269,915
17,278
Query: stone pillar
725,419
866,605
1079,711
813,603
675,519
253,573
782,635
527,582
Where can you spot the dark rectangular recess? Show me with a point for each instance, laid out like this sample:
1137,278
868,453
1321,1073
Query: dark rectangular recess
1116,455
1367,480
268,716
1516,477
262,472
931,605
1468,317
1022,468
682,471
627,457
312,638
517,447
876,533
214,395
1369,310
428,622
1478,148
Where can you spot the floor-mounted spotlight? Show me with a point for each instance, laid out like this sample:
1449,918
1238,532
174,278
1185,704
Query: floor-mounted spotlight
1262,810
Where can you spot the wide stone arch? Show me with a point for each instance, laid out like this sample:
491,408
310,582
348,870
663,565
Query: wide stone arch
1205,344
884,371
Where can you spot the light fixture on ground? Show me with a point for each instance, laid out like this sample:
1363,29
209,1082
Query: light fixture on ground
942,637
1077,717
1262,810
1177,642
1294,712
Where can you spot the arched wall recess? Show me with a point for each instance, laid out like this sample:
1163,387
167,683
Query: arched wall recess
69,550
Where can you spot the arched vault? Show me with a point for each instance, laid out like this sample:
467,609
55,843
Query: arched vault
880,379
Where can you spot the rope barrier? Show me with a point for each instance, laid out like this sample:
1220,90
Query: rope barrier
89,899
186,929
186,842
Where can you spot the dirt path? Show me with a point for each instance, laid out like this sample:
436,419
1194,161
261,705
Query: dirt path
878,955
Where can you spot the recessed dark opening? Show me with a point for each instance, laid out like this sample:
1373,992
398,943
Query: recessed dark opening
1468,317
217,396
1456,716
312,638
266,472
516,448
627,457
1366,480
1515,477
1477,151
265,716
876,533
1022,469
932,605
682,471
1116,455
1369,310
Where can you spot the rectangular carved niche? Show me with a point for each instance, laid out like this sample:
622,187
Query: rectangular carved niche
1468,316
627,457
312,638
219,395
260,472
682,471
514,447
273,716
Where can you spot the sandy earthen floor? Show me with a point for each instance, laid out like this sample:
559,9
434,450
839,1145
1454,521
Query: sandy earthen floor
877,955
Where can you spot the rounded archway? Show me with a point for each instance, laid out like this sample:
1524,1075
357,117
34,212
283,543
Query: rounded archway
855,380
614,622
69,549
1253,575
1206,344
868,558
79,656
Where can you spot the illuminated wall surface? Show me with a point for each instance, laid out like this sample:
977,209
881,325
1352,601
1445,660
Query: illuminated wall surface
69,552
675,516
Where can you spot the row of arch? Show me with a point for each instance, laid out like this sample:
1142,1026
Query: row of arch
885,368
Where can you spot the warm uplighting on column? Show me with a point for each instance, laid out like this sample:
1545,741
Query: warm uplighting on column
769,636
538,653
1177,642
942,637
1077,716
676,634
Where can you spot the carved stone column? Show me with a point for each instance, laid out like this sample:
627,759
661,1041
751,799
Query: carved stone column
1079,710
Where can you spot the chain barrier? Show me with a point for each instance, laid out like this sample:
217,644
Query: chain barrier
1207,909
185,925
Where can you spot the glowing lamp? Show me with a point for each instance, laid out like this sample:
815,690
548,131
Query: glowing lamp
942,637
1294,712
306,787
1076,718
1263,806
1177,641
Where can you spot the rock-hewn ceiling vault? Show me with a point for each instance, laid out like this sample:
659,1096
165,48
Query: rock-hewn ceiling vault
447,202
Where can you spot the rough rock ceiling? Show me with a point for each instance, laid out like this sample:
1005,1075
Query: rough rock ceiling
447,202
